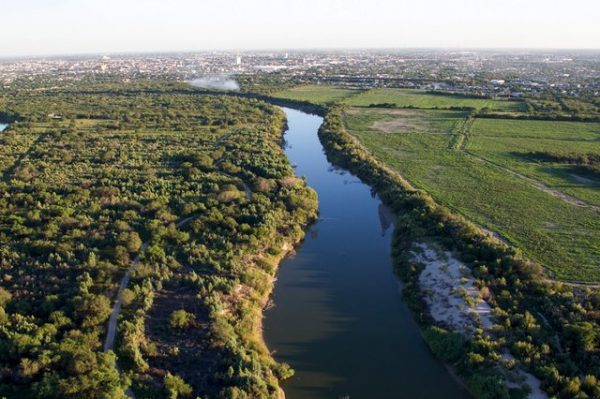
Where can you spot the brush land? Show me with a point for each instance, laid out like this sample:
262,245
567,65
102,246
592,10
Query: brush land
196,187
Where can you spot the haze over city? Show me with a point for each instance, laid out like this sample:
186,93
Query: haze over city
37,27
313,199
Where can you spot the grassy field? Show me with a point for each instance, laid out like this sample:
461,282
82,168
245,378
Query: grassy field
316,93
508,143
475,182
422,99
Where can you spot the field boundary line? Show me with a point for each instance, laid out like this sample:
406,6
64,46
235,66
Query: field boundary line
461,136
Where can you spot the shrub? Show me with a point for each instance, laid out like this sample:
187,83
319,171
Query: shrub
176,387
180,319
446,345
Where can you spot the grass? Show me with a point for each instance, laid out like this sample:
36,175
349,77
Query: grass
467,167
423,99
508,143
418,144
316,93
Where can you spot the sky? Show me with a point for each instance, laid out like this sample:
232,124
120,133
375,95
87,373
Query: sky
45,27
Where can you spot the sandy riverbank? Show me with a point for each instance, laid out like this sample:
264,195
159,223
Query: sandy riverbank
455,302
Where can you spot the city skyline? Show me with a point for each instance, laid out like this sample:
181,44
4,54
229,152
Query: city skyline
66,27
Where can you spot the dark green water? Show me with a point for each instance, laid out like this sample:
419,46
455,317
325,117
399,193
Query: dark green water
339,319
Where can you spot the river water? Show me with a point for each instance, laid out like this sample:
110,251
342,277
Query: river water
338,318
3,126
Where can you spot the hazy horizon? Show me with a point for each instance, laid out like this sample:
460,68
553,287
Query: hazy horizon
233,51
70,27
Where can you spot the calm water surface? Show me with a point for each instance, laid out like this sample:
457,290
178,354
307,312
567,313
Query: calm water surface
3,126
338,319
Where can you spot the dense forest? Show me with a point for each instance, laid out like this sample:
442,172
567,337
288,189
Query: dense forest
195,188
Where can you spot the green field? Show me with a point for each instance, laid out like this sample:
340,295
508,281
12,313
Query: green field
423,99
324,94
508,143
473,180
316,93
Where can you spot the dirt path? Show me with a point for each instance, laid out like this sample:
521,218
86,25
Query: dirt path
112,322
461,134
575,284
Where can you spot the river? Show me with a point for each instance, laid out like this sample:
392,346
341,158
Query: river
3,126
338,318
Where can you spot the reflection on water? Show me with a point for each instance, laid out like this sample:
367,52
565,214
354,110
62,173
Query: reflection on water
338,319
386,218
3,126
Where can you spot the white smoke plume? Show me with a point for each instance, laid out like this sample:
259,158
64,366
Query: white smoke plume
216,82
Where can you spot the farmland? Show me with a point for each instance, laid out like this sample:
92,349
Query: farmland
510,143
316,94
422,99
474,181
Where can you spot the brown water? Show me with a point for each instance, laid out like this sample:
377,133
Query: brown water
339,319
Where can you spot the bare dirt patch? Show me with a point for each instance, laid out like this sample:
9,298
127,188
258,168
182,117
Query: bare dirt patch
184,352
399,124
455,302
385,111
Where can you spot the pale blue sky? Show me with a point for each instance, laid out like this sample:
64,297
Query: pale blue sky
29,27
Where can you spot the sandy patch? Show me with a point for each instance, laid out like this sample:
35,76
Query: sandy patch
384,111
528,379
450,292
456,303
398,124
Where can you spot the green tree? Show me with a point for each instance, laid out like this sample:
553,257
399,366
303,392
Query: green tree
180,319
176,387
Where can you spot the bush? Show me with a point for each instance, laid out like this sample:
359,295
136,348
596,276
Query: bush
176,387
446,345
488,387
180,319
